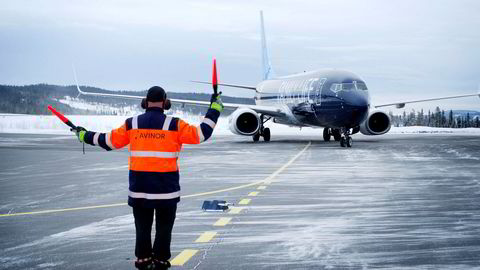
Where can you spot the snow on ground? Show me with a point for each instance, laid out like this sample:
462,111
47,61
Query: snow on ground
420,129
49,124
98,107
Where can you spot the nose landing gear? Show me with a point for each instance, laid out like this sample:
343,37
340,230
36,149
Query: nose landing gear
329,132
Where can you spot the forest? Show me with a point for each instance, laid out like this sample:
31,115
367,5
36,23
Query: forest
438,118
34,99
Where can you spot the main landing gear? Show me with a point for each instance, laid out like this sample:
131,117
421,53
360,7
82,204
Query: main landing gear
262,131
346,140
328,132
340,135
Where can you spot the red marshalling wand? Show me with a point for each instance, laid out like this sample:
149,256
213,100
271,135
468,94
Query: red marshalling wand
62,117
65,120
214,77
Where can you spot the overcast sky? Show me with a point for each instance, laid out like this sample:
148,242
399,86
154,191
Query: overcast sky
403,49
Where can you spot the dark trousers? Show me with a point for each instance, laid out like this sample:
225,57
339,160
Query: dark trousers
164,217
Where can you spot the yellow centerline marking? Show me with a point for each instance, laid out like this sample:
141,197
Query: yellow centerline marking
222,221
262,187
245,201
236,210
183,257
253,193
267,180
206,237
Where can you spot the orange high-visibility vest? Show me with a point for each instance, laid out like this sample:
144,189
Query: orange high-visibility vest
155,141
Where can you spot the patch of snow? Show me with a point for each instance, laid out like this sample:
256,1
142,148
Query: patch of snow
50,265
433,130
99,107
103,229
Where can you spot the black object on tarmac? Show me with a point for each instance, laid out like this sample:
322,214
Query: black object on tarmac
215,206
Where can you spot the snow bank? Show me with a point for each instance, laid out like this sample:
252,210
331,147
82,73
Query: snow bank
98,107
49,124
433,130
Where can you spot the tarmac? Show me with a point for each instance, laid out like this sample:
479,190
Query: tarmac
391,201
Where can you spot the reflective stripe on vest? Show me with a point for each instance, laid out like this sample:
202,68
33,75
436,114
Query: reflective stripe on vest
166,124
149,196
135,122
154,154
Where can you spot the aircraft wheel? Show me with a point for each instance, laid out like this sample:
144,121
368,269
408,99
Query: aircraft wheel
349,141
326,134
336,134
256,137
343,142
266,134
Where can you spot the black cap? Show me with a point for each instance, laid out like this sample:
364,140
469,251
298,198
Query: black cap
156,94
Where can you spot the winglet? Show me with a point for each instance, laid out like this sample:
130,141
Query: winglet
80,92
478,90
214,76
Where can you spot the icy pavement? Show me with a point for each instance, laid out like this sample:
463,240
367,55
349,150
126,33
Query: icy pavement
409,201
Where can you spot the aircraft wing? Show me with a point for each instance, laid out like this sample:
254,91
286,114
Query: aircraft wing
230,85
259,109
400,105
270,111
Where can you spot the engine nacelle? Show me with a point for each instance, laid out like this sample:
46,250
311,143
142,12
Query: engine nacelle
377,123
244,121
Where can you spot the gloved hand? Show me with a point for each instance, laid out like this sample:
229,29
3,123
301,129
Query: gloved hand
216,102
80,132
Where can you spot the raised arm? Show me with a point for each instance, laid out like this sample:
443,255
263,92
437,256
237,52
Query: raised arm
191,134
116,139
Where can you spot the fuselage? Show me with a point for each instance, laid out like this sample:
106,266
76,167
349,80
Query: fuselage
322,98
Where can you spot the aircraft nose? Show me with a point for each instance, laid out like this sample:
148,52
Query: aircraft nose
359,105
358,100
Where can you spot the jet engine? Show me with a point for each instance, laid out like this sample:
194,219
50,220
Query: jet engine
244,121
377,123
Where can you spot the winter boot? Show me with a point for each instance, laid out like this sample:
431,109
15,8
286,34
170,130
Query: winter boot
161,265
144,264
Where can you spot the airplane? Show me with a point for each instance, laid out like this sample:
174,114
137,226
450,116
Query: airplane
337,100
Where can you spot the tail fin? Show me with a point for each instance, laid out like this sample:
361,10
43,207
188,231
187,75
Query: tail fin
267,69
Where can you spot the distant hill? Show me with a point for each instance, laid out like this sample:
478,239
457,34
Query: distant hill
34,99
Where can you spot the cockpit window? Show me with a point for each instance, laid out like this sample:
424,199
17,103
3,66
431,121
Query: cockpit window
362,86
336,87
348,86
